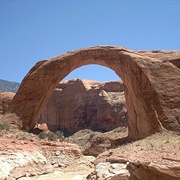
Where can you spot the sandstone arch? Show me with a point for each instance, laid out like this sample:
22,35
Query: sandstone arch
152,86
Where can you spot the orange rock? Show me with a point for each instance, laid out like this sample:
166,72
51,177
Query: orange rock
152,86
40,128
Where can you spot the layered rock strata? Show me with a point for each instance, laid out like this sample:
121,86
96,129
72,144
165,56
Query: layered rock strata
153,158
32,157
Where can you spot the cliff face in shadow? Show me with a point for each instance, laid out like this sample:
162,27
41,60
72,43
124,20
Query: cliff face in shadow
79,104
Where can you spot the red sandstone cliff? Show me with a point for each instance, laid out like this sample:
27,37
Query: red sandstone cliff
79,104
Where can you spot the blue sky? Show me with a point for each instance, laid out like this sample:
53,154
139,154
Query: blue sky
33,30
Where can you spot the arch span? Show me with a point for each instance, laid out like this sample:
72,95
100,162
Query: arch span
152,99
93,72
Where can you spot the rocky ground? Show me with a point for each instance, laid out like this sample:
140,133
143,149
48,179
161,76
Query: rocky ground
25,156
79,170
155,157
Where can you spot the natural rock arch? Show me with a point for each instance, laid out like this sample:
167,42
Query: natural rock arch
151,86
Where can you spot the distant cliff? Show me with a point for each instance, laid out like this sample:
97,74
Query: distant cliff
84,104
8,86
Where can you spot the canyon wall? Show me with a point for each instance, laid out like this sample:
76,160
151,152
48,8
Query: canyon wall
78,104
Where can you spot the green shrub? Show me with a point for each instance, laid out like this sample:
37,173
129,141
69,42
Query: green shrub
42,135
26,129
4,125
60,135
48,135
52,136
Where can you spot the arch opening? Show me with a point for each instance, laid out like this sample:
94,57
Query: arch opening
80,102
93,72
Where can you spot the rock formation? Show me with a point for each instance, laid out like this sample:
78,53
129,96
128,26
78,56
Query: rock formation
94,143
155,157
83,104
109,171
152,86
5,100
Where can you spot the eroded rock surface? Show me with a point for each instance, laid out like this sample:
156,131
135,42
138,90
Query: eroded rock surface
83,104
152,86
23,155
110,171
23,163
78,170
153,158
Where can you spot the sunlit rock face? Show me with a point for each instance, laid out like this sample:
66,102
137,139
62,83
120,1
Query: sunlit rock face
151,85
78,104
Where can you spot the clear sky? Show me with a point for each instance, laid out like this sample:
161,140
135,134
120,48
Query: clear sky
32,30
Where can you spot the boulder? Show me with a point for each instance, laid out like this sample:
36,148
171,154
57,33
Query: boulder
40,128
